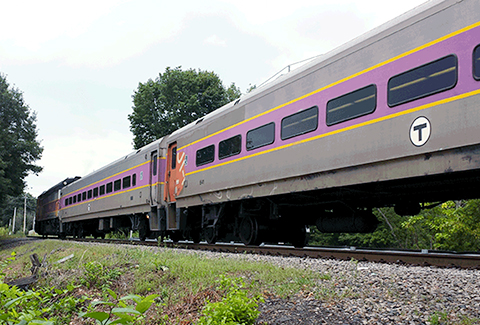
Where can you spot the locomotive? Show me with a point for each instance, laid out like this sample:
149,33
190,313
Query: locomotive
389,119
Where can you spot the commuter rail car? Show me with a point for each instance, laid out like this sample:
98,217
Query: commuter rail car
392,118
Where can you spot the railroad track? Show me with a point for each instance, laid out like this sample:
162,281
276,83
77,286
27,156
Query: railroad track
410,257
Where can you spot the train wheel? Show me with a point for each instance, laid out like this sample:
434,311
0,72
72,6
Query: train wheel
299,237
249,231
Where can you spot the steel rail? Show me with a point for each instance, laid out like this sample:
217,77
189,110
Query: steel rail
469,260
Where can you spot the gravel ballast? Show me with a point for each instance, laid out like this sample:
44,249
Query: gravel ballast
373,293
356,292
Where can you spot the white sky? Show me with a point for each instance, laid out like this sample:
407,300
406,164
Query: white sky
79,63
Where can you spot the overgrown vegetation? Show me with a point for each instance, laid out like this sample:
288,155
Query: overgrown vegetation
448,226
131,285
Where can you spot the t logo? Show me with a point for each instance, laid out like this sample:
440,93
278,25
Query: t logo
420,131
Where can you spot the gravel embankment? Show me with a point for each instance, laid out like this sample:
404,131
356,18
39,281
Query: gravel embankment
369,293
373,293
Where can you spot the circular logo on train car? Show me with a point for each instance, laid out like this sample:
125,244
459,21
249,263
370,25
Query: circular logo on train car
420,131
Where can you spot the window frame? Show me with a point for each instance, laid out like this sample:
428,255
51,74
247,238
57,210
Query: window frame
475,64
354,116
117,185
256,129
230,154
210,160
126,182
315,107
423,95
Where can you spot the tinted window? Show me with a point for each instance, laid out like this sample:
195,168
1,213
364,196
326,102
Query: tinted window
134,179
117,185
74,199
261,136
174,158
230,147
79,197
89,194
354,104
429,79
102,189
476,63
126,182
95,192
154,167
109,187
70,200
66,202
300,123
205,155
84,196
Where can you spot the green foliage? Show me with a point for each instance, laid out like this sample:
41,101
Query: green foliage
449,226
19,148
42,306
173,100
98,275
235,308
11,202
438,318
119,311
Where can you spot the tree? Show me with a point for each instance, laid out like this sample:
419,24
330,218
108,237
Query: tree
175,99
19,148
18,202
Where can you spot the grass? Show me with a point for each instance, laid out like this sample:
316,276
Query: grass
184,282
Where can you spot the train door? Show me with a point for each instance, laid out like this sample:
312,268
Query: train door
153,178
171,181
171,175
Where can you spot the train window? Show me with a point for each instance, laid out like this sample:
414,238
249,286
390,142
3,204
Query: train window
357,103
134,179
79,197
174,158
126,182
102,189
95,192
84,196
300,123
74,199
428,79
89,194
69,200
66,202
110,187
154,167
205,155
476,63
261,136
230,147
117,185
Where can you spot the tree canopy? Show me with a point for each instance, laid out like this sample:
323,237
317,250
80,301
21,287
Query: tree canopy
174,99
19,147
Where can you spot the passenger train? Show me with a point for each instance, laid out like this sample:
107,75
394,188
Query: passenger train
391,118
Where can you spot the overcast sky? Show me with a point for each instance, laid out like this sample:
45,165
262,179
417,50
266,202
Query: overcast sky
79,63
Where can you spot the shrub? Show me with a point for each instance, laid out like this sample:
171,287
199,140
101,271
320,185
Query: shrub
235,308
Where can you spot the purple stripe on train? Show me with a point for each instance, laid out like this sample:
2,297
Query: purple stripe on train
461,45
142,179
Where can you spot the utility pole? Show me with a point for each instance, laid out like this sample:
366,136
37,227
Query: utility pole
13,224
25,213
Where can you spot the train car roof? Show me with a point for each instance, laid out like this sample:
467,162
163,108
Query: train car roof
317,63
60,185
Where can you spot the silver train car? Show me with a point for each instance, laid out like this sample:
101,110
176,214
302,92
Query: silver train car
389,119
